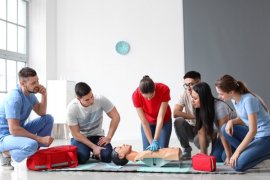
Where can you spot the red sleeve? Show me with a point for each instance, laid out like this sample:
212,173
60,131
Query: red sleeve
136,98
166,94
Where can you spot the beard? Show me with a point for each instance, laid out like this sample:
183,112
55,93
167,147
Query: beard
34,91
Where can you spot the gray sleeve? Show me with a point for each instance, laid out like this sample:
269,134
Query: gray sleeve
106,104
221,110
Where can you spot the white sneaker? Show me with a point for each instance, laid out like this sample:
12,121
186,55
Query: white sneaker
5,162
14,164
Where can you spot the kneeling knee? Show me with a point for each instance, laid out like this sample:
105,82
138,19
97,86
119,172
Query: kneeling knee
32,146
239,168
49,118
83,158
178,122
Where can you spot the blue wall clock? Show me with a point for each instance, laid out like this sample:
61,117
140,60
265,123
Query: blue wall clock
122,47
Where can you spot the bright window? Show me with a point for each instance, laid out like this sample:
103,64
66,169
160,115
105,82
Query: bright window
13,42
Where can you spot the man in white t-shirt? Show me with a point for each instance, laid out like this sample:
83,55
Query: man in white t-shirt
85,117
184,123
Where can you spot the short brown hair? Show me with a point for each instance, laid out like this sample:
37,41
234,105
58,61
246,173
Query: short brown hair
26,72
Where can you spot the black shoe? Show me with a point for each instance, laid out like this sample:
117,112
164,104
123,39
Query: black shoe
186,155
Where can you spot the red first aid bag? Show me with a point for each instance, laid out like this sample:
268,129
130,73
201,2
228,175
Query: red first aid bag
203,162
53,158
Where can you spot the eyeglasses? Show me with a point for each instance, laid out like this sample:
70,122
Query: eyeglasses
189,85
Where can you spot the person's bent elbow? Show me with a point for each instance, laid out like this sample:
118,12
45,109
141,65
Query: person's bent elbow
117,118
174,114
253,132
14,130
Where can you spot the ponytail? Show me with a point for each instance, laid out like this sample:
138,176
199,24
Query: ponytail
227,83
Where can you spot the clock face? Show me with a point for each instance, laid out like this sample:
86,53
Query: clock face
122,47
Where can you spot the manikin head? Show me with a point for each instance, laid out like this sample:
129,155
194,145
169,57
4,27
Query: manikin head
119,154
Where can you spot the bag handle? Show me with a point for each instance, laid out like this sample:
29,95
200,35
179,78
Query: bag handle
49,161
72,158
70,154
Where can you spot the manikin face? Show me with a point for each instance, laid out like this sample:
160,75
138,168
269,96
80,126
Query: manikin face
195,99
30,84
189,83
87,100
223,95
123,150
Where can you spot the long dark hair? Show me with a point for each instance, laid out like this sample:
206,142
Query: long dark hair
205,115
227,83
147,85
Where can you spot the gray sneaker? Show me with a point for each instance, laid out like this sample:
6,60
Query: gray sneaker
186,155
5,162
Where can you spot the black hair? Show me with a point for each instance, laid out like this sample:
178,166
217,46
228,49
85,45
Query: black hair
116,160
26,72
82,89
193,75
205,114
147,85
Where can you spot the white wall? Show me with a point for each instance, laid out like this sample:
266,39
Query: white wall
86,34
42,38
37,38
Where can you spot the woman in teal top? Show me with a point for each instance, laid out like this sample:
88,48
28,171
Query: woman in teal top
249,133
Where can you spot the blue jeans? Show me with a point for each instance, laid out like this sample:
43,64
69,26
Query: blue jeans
22,147
218,150
84,151
257,151
164,137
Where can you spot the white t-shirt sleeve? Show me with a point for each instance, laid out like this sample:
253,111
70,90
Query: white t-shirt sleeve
106,104
181,100
71,115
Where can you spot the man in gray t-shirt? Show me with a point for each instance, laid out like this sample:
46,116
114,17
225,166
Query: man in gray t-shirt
184,124
85,117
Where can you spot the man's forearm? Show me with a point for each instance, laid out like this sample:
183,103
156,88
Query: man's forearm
81,138
183,115
113,126
19,131
43,105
